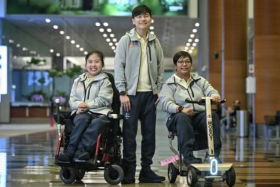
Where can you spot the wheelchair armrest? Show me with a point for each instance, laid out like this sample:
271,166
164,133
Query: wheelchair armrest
63,116
111,115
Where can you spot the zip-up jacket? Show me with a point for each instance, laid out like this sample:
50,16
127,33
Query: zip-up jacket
174,94
128,60
98,95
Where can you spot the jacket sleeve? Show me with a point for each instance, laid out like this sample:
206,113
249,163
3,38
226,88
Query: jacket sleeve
105,95
208,89
160,60
168,102
119,64
74,101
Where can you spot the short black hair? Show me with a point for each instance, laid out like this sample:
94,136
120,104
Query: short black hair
99,53
141,9
180,54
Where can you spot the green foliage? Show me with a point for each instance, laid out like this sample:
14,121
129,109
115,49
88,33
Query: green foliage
55,72
72,72
35,61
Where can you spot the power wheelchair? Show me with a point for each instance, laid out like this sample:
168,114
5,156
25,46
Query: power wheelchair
107,152
210,168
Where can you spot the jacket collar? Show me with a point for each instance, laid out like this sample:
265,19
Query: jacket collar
132,34
100,76
170,80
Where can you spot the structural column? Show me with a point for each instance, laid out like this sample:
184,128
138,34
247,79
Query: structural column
228,37
267,58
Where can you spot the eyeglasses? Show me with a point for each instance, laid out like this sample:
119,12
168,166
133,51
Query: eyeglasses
183,61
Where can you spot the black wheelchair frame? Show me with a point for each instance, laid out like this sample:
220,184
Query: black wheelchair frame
107,153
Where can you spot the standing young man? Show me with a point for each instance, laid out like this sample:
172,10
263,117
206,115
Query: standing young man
139,76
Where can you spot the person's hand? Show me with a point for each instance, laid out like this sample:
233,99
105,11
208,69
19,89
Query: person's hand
125,102
83,105
188,111
157,101
216,99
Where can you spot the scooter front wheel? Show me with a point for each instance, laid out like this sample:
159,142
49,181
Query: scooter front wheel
230,177
191,177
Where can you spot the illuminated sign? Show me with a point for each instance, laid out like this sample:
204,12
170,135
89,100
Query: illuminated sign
3,69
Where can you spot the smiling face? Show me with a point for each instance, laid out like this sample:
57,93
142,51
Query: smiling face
94,65
183,66
142,22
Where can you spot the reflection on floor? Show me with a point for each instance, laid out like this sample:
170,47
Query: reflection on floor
27,160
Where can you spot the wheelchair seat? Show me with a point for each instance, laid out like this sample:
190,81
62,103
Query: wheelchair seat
200,142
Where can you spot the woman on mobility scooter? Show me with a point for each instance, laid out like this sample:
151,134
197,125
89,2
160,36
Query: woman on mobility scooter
90,99
183,118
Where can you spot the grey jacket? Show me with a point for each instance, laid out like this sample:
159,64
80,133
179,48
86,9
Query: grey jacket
128,60
98,95
174,94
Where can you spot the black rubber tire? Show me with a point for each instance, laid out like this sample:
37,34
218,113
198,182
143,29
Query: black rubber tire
80,174
172,173
230,177
113,176
191,177
68,175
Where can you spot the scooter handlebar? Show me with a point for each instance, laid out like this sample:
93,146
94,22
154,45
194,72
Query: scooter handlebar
202,101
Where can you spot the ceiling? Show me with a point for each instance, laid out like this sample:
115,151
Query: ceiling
173,33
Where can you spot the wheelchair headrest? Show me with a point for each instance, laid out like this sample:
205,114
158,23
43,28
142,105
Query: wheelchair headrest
116,97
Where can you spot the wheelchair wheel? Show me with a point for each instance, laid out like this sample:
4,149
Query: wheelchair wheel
68,175
80,174
230,177
172,173
113,174
191,177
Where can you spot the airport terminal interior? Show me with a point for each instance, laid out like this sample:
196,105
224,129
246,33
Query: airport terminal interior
27,158
42,49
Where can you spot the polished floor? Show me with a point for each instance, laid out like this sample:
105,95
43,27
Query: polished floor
27,159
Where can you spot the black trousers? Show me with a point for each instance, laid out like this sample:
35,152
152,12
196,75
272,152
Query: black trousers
86,130
142,108
184,126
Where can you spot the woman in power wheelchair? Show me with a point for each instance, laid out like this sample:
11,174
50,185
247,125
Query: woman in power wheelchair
184,118
93,133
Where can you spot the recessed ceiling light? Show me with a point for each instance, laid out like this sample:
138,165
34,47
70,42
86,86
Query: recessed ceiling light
81,49
197,24
188,44
108,40
61,32
194,30
101,30
192,35
77,45
113,47
109,30
97,24
152,27
72,41
48,20
55,27
85,52
11,41
189,40
196,40
51,50
112,35
110,43
67,37
18,45
194,44
153,21
57,54
104,35
114,40
105,24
